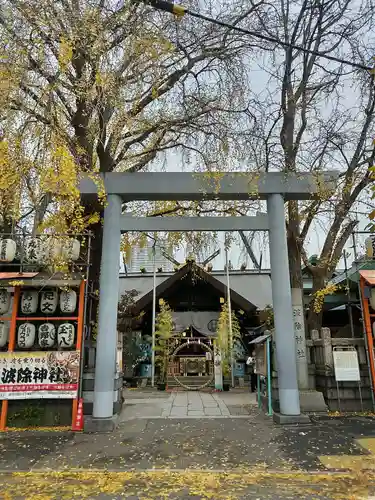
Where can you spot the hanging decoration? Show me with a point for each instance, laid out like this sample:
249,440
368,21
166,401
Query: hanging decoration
8,249
68,301
29,302
26,335
55,248
370,247
71,249
65,335
46,335
48,302
4,301
35,251
4,333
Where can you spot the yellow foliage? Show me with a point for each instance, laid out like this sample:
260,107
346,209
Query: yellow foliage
227,337
65,53
319,296
11,177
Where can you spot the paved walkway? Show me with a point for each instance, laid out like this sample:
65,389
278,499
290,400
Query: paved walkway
187,405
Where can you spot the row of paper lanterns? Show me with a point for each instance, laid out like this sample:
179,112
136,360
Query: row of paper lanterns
48,301
26,335
39,250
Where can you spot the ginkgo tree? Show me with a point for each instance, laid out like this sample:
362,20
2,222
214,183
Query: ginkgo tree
95,86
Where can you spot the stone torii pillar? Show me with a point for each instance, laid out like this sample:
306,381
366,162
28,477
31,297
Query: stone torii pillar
105,365
283,312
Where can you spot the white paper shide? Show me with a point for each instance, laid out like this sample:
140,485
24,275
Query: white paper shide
26,335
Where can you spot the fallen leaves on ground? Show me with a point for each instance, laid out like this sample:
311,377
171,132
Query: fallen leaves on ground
351,414
167,483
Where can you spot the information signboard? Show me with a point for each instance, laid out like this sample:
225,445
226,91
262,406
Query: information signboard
346,365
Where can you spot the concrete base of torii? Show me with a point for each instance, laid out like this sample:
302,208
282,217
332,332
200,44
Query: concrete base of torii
312,401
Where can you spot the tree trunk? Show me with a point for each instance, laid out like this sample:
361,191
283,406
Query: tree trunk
315,318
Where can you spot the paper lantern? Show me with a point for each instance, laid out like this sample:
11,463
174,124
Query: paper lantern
65,335
4,333
48,302
71,249
8,250
26,335
4,301
370,247
35,250
68,301
55,248
46,335
372,298
29,302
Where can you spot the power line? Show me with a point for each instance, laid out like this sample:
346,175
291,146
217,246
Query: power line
180,11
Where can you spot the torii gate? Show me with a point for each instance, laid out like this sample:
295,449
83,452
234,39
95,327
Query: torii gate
274,187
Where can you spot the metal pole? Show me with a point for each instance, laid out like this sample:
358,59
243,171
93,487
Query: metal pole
153,319
282,307
338,395
269,376
229,316
106,344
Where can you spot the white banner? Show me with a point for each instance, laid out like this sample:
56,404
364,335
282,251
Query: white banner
39,375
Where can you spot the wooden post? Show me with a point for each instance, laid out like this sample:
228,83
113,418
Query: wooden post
80,325
11,346
368,329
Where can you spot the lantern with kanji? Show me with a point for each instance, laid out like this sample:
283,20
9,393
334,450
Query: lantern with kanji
48,302
8,249
55,248
370,247
46,335
35,251
29,302
4,333
4,301
26,335
65,335
71,249
68,301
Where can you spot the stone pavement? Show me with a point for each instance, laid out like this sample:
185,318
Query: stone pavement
189,404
